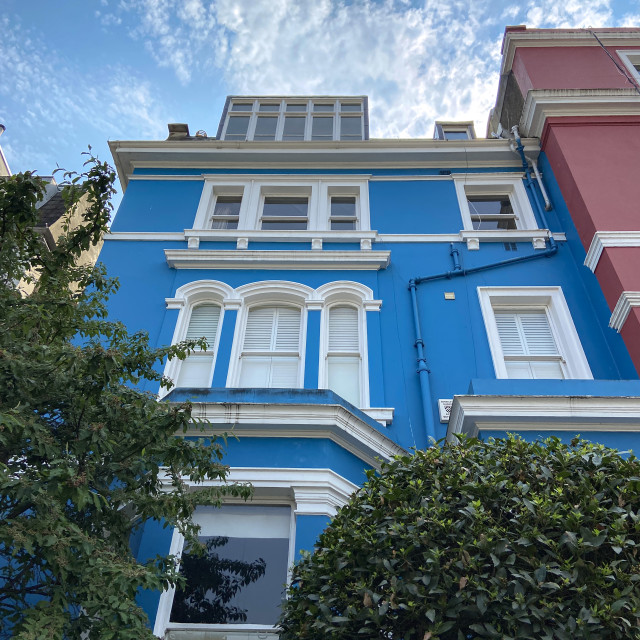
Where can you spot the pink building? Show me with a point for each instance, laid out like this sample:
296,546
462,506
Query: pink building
578,90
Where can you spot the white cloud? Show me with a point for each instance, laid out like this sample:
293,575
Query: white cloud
50,105
569,13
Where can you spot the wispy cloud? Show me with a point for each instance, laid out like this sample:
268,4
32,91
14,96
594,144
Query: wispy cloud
47,101
417,61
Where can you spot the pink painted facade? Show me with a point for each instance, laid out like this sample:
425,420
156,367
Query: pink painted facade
587,115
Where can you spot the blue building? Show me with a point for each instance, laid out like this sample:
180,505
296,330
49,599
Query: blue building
360,298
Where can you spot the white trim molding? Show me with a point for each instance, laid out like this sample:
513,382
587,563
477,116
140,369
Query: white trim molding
497,184
574,362
541,104
604,239
323,421
253,188
631,59
276,259
610,37
472,414
626,301
306,491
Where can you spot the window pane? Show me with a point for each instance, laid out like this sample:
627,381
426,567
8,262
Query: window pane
351,106
343,206
323,107
494,225
490,205
265,128
293,128
241,577
456,135
297,107
227,206
338,225
344,377
237,128
350,128
242,106
292,225
195,371
322,129
268,106
281,207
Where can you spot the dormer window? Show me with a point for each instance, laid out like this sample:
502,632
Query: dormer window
294,119
454,131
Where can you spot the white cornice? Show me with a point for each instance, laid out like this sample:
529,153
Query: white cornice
473,414
604,239
563,38
541,104
276,259
626,301
332,422
384,153
218,235
268,235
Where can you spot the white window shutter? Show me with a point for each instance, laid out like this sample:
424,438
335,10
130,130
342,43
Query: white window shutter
525,333
287,336
257,336
204,323
343,329
537,334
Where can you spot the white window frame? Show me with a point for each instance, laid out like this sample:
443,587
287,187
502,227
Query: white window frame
271,294
187,297
345,293
254,188
495,185
549,299
282,112
630,57
306,491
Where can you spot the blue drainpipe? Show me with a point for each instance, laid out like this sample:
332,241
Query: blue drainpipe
423,368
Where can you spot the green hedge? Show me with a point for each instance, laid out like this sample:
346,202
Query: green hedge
497,539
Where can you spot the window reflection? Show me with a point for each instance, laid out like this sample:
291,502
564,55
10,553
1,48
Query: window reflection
241,577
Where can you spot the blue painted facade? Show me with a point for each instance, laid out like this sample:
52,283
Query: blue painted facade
415,210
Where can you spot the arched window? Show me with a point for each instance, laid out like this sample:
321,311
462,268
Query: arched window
344,357
196,370
271,348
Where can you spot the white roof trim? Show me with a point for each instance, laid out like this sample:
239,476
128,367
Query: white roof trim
474,414
329,421
541,104
626,301
604,239
562,38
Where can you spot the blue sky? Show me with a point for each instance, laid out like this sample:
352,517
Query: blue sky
80,72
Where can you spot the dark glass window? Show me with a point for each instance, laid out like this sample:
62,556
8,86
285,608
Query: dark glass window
456,135
241,576
237,128
265,128
242,106
285,213
269,106
226,212
350,128
322,128
343,213
296,107
350,106
323,107
491,212
293,128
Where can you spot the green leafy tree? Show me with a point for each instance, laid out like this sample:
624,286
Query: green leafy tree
500,539
85,457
